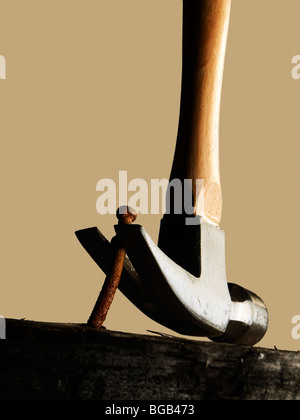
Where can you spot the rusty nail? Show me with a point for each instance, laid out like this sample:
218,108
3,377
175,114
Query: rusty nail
126,216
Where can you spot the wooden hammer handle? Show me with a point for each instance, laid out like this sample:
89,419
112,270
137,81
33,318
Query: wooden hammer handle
205,31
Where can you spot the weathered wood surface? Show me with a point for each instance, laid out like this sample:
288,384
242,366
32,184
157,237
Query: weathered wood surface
41,361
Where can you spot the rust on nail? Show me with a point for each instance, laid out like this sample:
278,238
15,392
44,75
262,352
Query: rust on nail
126,216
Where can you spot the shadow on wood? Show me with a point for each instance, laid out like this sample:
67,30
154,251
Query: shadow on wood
45,361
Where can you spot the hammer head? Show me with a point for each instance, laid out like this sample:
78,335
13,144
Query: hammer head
181,283
199,248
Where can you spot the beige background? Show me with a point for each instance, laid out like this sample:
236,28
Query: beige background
93,87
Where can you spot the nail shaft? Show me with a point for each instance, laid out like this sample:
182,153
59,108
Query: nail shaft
109,289
126,216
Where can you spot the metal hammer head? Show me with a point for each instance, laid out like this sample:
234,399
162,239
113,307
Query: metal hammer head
199,248
182,283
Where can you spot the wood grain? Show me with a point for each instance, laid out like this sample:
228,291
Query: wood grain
205,31
41,361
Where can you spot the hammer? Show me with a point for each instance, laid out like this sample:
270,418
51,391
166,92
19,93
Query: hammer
181,283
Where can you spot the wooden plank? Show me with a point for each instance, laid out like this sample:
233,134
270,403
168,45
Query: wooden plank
42,361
